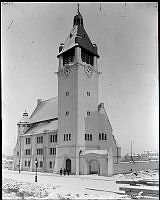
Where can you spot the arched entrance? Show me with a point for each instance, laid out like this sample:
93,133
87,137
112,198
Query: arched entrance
94,167
68,165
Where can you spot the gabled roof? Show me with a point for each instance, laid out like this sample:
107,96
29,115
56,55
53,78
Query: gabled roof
78,37
45,110
43,127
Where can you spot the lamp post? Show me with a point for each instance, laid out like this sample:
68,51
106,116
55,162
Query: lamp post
19,166
36,163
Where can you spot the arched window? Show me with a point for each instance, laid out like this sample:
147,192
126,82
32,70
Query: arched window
50,164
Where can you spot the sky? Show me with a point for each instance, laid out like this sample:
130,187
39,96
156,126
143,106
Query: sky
127,40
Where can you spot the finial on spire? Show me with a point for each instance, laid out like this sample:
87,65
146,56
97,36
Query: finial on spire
77,7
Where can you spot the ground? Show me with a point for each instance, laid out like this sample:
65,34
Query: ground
51,186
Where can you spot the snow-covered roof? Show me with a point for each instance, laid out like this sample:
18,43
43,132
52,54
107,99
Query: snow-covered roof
43,127
100,152
45,110
78,36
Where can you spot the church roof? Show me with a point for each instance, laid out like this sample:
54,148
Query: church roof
78,37
43,127
45,110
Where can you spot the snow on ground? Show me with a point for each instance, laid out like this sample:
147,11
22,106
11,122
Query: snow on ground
53,186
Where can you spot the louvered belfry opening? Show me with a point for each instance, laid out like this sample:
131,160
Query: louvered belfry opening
86,57
69,56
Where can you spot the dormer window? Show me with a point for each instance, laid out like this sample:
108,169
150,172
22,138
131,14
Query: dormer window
69,56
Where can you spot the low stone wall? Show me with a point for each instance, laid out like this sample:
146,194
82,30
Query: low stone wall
127,167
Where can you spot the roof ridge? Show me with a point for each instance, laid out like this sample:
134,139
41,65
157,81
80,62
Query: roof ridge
50,99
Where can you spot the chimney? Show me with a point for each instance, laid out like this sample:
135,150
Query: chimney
39,101
101,105
61,47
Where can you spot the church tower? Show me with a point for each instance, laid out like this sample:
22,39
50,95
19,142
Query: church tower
77,94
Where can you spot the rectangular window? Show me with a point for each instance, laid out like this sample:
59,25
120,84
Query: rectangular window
50,138
56,138
88,93
64,137
17,153
102,136
28,140
67,93
28,151
28,163
39,151
105,136
69,136
90,137
25,163
52,151
99,136
67,113
88,113
40,139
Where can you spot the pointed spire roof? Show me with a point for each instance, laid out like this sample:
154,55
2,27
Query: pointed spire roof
78,37
25,119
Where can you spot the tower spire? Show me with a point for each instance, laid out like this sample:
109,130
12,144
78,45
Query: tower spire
77,7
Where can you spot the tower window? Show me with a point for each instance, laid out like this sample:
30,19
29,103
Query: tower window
67,137
86,57
105,136
67,93
88,137
67,113
88,113
88,93
69,56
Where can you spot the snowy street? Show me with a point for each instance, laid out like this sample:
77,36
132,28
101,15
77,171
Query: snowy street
74,187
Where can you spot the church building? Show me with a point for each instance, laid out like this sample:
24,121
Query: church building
71,131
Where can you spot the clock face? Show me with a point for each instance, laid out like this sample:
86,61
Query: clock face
67,71
88,70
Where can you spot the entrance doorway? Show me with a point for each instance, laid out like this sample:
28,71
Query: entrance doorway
68,165
94,167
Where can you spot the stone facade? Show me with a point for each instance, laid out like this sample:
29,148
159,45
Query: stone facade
72,131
